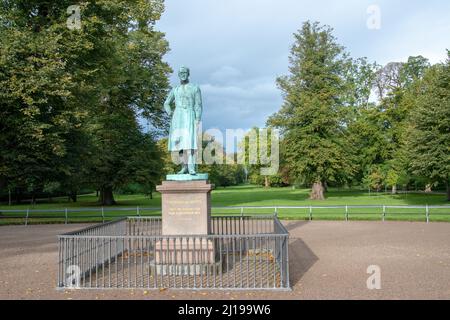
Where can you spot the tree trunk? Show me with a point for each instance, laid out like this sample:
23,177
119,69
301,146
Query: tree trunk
266,182
428,188
9,197
325,186
18,196
107,197
73,196
394,189
317,191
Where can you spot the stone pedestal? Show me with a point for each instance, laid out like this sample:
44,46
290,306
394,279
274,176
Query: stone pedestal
186,207
186,213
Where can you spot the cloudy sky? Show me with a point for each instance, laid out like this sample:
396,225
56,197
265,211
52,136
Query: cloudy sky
237,48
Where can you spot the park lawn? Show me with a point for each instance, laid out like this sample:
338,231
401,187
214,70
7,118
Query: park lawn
246,195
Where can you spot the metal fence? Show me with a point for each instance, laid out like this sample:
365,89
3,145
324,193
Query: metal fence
241,253
355,212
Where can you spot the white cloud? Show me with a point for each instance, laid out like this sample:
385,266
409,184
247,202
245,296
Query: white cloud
225,74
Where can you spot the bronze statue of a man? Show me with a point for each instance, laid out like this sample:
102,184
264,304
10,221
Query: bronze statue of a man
185,120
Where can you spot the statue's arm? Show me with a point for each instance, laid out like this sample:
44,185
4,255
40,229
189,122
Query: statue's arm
198,108
168,103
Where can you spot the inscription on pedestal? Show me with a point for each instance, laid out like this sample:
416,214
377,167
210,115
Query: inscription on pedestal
185,207
181,207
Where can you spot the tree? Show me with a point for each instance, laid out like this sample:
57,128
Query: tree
123,154
223,171
260,153
378,133
392,179
36,91
312,118
429,133
374,178
60,87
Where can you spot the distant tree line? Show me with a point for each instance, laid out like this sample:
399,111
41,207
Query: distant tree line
347,121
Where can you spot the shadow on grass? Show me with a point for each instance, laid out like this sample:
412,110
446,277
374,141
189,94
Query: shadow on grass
422,199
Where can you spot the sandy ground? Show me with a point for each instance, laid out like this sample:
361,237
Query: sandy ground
328,260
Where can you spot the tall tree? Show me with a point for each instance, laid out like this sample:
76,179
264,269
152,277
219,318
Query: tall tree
313,116
36,86
132,82
394,107
429,134
60,84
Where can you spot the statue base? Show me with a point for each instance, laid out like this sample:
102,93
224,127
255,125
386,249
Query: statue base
187,177
186,207
186,213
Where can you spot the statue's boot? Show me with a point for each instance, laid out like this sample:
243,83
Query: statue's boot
184,169
191,165
192,171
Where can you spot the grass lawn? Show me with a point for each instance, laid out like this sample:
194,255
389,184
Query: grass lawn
248,196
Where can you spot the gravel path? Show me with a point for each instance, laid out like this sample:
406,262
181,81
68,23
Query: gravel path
328,260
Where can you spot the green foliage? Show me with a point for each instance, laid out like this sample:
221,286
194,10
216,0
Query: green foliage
255,154
379,132
69,99
429,133
315,109
225,172
221,174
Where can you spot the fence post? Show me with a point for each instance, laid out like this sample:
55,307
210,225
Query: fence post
384,212
26,218
428,213
346,213
310,213
138,212
275,213
65,214
242,211
103,215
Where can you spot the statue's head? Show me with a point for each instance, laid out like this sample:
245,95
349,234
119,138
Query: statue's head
183,74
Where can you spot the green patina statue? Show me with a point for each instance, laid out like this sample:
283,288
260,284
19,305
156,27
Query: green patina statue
184,125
